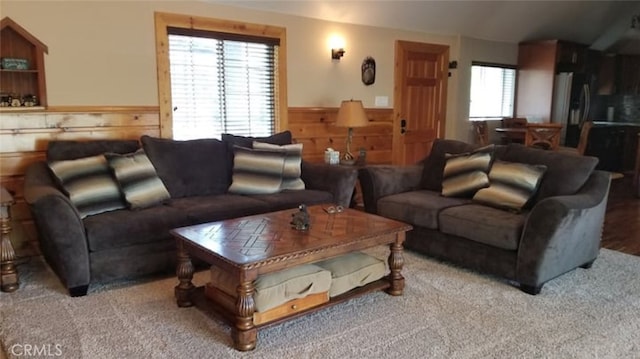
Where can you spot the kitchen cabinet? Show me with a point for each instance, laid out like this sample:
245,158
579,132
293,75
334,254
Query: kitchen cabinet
615,144
17,48
607,75
628,75
538,63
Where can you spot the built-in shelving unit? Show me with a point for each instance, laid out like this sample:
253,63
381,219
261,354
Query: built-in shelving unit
18,43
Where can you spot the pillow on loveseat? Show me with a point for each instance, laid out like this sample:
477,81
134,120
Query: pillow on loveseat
138,180
434,163
89,184
513,185
466,173
189,168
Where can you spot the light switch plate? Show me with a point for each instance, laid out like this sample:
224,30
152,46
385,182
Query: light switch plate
382,101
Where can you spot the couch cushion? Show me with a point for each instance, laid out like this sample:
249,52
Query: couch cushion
352,270
467,172
483,224
512,185
419,208
190,168
202,209
280,138
291,199
137,179
274,289
434,163
565,174
291,171
89,184
256,171
126,228
70,150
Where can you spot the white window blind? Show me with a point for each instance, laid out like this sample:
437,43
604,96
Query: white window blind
492,91
221,85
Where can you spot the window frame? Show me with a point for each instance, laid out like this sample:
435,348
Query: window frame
515,87
165,20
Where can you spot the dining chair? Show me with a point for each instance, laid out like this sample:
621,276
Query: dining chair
582,142
481,131
543,135
513,122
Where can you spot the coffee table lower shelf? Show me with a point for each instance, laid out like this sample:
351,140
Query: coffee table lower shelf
214,309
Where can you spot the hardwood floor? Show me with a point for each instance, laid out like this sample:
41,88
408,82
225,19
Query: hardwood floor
622,220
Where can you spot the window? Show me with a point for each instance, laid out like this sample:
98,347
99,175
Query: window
492,90
221,77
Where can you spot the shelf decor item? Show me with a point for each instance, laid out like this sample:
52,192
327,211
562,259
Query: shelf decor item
8,63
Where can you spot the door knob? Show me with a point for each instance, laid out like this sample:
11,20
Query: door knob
403,126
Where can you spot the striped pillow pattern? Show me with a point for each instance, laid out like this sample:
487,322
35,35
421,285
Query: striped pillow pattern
138,179
89,184
466,173
512,185
293,159
257,171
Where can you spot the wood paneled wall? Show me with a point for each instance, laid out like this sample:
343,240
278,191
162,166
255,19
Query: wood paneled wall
24,137
315,128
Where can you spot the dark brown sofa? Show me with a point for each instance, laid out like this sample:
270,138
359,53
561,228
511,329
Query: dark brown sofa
559,231
128,243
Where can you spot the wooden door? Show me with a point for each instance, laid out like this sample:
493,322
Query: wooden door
420,99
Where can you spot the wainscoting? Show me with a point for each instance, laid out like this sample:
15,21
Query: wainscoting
24,137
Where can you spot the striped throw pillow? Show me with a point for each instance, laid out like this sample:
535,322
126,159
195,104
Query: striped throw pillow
513,185
89,184
466,173
138,179
293,159
256,171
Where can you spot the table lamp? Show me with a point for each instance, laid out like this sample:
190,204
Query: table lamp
351,114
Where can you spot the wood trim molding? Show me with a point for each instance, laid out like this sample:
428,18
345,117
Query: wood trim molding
164,20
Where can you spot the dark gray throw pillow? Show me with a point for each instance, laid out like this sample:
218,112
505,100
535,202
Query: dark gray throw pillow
190,168
71,150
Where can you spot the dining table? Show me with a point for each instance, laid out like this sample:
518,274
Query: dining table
512,134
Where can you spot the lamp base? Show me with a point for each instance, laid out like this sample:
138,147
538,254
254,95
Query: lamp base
346,162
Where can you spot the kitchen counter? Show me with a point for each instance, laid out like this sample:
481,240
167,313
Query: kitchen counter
614,143
615,124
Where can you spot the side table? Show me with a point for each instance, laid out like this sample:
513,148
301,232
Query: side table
8,272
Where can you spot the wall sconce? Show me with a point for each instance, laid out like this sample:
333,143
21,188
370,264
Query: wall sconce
336,54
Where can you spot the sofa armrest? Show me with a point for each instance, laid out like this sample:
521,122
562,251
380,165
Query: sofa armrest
563,232
339,180
60,228
378,181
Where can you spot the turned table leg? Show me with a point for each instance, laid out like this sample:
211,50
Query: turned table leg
184,271
245,334
396,261
8,273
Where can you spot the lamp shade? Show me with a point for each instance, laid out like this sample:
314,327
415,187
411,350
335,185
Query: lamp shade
351,114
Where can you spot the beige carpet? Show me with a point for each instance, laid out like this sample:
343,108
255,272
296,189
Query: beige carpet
446,312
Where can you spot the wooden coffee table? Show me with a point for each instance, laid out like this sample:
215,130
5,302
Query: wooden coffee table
250,246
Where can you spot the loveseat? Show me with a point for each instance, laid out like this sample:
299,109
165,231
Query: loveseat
556,230
191,181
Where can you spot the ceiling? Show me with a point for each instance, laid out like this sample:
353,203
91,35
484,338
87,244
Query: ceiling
601,24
